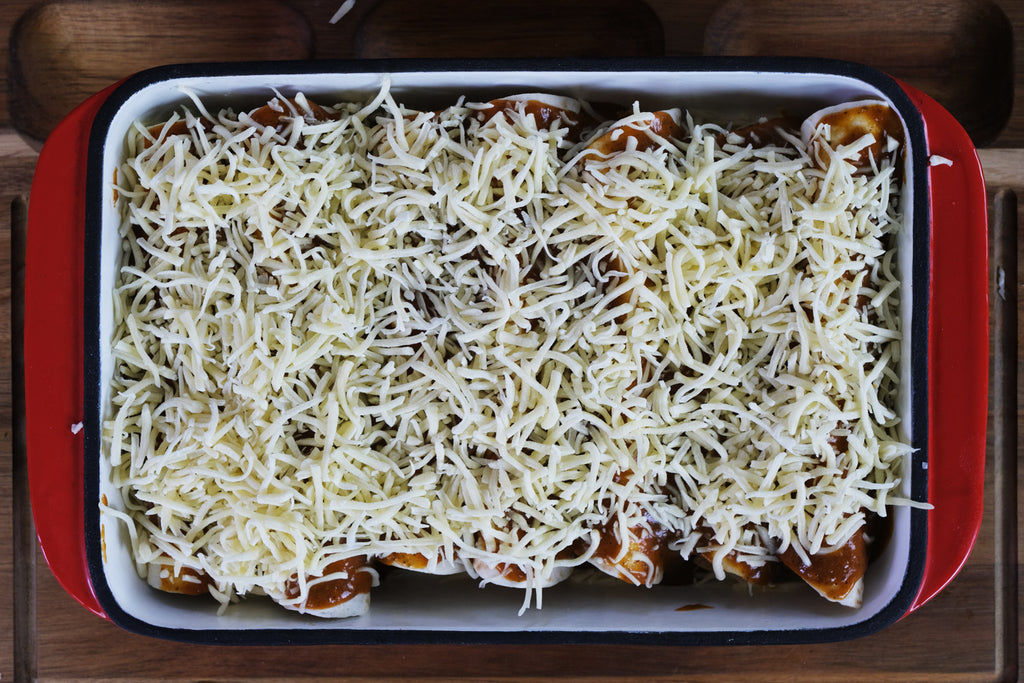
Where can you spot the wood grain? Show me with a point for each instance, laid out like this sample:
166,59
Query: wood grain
7,492
61,52
16,163
76,644
23,534
970,632
958,51
1005,301
510,28
964,623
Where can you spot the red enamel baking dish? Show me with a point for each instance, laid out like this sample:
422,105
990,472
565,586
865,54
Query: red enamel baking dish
70,261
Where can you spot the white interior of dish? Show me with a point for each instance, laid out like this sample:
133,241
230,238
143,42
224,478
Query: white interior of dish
406,600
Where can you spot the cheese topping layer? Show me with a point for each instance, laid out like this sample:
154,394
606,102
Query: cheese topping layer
368,329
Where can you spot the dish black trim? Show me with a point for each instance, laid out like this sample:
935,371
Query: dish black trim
920,281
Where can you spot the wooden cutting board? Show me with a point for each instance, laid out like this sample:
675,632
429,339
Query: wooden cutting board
956,50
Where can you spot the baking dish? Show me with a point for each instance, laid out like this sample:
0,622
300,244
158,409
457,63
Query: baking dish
943,247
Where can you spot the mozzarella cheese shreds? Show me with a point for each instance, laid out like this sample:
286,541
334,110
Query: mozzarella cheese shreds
483,341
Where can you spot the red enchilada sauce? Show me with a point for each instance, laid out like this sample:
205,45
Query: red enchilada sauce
545,115
514,573
639,557
660,124
835,573
179,127
275,113
187,582
511,572
644,557
767,133
353,578
850,124
407,560
691,608
763,575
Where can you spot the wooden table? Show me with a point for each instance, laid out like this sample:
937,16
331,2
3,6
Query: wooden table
969,632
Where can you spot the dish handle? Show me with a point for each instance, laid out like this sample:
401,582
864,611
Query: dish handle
53,349
958,345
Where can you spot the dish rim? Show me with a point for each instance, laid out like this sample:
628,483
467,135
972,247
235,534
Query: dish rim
918,335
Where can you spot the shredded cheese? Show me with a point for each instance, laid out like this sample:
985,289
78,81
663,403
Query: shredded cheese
401,331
